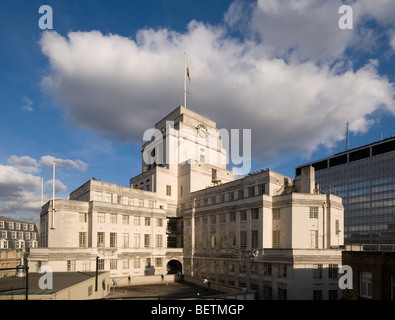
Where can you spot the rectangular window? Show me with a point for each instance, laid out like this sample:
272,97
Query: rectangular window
31,227
243,239
333,271
113,264
254,238
82,217
251,191
337,227
231,196
317,294
136,240
125,240
314,212
136,221
213,219
366,285
159,262
136,263
267,269
86,265
267,293
213,200
100,239
159,240
232,216
147,241
255,213
232,240
125,219
130,201
222,218
10,225
82,236
113,239
148,262
282,294
313,239
333,295
125,264
261,189
113,218
213,241
147,221
70,265
141,202
100,264
2,224
98,196
168,190
241,194
317,271
276,239
282,270
101,217
243,215
159,222
276,213
119,200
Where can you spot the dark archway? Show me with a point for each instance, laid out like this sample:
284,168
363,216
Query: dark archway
174,267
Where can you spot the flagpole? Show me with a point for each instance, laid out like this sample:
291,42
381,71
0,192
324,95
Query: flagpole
185,80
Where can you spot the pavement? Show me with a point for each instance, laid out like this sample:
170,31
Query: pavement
157,291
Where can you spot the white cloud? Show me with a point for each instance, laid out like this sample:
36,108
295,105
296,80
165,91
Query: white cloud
13,181
47,161
392,40
59,186
120,87
27,104
24,163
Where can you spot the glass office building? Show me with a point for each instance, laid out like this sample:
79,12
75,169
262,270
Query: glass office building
365,178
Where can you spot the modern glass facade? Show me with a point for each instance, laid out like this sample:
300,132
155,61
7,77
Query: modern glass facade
365,178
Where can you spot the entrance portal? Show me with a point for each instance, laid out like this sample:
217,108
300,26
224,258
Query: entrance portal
174,267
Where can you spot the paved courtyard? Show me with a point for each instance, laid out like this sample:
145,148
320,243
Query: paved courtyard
164,291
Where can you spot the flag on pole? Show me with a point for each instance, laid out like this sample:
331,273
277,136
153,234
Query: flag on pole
189,78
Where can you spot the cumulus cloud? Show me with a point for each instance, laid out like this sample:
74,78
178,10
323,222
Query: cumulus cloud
27,106
47,161
282,85
59,186
13,181
24,163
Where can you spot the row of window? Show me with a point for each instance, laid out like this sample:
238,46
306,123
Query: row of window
113,218
230,196
125,240
111,198
18,244
16,225
18,235
115,264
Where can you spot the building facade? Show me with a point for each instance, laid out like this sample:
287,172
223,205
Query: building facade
18,234
365,178
186,213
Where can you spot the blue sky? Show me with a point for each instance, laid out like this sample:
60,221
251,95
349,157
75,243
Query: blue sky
84,92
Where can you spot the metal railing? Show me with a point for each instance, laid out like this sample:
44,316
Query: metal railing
14,283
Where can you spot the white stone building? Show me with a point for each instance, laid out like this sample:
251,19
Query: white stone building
185,212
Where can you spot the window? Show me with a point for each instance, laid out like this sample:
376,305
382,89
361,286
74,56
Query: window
202,158
159,262
241,194
125,240
136,263
261,189
243,215
119,200
147,240
333,271
70,265
221,198
313,239
101,217
255,213
136,240
243,239
147,221
136,221
86,265
317,271
276,213
267,293
17,226
232,239
1,224
366,285
4,234
213,219
159,240
168,190
113,264
213,241
276,239
314,212
10,225
267,269
222,218
108,197
332,294
317,294
113,239
98,196
100,239
100,264
337,227
125,219
24,227
254,238
159,222
282,270
141,202
205,201
242,268
282,294
113,218
213,200
82,218
251,191
148,262
232,216
31,227
82,239
130,201
125,263
231,196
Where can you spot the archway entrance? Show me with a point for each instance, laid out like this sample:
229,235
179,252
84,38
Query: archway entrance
174,267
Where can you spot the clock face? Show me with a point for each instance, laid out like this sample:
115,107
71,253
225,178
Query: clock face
202,130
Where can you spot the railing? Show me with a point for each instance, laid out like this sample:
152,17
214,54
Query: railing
14,283
371,247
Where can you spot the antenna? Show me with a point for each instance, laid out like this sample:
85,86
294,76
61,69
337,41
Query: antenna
42,191
53,196
185,80
347,136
